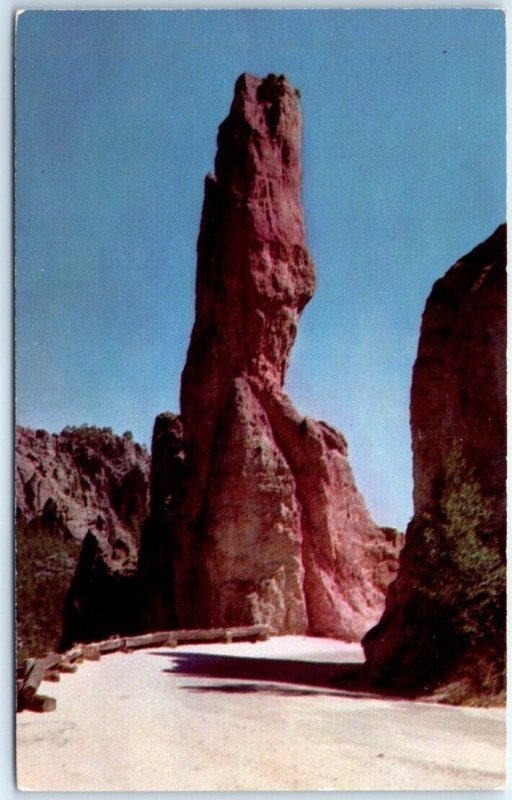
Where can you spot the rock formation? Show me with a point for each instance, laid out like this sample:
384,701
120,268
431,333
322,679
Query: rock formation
445,613
254,514
155,580
82,485
83,479
265,522
102,599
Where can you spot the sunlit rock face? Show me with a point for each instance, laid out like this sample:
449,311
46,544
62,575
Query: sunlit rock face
445,613
83,479
267,524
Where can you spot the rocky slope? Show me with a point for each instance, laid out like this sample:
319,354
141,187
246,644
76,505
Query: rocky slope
265,522
83,479
445,614
82,484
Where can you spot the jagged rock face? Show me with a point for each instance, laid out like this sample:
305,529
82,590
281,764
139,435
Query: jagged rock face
104,600
456,539
84,485
268,525
254,274
83,479
348,562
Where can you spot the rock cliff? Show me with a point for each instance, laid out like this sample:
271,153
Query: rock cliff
265,522
445,614
83,479
82,485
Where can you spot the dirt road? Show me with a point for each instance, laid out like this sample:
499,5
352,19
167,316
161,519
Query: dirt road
248,717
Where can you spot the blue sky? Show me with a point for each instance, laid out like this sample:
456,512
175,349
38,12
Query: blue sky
116,119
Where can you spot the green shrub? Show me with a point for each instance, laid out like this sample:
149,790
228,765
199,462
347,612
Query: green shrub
466,571
45,565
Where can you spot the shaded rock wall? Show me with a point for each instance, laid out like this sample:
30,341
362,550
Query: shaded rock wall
155,579
104,599
445,613
101,600
267,524
459,381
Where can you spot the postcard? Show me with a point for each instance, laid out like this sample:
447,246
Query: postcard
260,281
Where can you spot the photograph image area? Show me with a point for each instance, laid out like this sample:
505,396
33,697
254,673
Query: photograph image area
260,374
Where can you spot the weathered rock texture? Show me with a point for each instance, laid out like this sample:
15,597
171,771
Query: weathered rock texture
267,524
445,613
84,485
155,581
83,479
459,381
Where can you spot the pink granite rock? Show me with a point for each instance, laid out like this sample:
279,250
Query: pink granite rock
83,479
269,526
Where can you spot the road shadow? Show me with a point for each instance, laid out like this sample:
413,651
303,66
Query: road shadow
270,675
263,688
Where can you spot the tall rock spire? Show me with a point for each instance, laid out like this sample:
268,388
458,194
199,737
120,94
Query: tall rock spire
254,274
254,514
269,526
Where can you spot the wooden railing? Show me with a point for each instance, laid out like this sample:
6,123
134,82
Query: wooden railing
33,671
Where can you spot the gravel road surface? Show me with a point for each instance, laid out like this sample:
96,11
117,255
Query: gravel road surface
245,716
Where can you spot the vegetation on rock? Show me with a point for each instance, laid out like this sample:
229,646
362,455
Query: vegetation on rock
85,479
462,554
45,564
443,628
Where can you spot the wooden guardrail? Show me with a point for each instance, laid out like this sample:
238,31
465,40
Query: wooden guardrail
33,671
